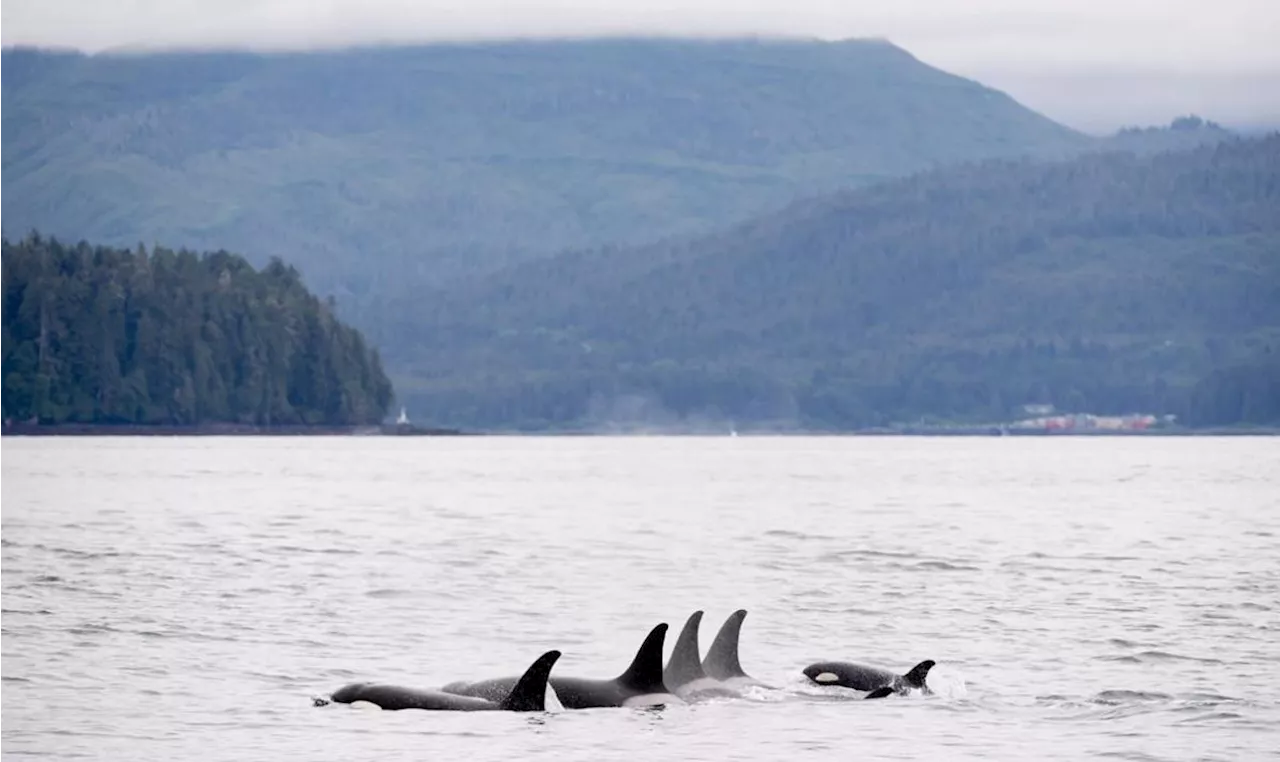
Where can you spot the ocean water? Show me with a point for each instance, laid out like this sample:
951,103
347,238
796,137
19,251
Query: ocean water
185,598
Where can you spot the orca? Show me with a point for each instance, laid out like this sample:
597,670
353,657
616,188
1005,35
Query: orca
640,685
684,674
527,694
876,681
721,662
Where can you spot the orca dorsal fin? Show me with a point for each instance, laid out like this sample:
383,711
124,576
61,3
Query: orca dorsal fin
645,673
686,663
530,691
722,659
880,692
916,677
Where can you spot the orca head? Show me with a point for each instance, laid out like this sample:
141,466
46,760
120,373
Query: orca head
822,674
348,693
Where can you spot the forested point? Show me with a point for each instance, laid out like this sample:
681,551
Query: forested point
101,335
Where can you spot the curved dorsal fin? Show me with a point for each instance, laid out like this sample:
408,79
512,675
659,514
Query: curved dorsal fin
686,662
916,677
722,659
645,673
530,691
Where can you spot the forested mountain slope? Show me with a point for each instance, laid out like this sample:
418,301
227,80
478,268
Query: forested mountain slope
1108,283
384,173
381,170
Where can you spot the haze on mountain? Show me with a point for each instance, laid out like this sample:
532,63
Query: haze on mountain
1096,65
382,171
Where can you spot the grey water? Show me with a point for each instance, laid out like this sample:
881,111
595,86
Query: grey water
185,598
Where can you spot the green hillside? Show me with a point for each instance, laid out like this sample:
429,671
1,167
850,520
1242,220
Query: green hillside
1108,283
99,335
381,170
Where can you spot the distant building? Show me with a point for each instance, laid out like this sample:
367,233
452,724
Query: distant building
1086,421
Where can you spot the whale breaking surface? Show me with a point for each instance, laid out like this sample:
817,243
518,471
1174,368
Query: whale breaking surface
686,677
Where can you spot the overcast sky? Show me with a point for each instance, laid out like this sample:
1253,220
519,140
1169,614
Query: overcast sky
1093,64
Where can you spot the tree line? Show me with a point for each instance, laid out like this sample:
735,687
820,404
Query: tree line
94,334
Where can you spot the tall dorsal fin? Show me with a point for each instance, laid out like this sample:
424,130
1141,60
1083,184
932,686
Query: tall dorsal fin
916,677
645,673
686,662
530,691
722,660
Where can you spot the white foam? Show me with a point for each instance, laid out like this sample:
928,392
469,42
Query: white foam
702,685
652,699
946,683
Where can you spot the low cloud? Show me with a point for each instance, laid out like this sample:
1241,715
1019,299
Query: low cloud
1091,63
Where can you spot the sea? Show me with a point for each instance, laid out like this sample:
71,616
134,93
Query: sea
189,598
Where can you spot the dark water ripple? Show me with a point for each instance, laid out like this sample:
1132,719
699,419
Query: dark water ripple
184,598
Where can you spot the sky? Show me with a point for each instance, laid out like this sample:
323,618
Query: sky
1096,65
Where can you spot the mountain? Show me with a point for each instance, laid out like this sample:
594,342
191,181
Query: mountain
96,335
378,171
432,188
1108,283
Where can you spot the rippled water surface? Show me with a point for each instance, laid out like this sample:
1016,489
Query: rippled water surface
172,598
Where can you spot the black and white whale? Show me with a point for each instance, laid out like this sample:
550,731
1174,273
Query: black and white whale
876,681
640,685
527,694
684,674
721,662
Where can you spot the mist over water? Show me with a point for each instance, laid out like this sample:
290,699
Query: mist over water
184,598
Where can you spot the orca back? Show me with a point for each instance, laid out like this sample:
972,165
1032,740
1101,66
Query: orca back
876,681
642,677
645,673
530,691
722,658
685,666
918,674
397,697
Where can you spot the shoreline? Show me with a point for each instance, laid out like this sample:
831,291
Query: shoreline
399,430
219,430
